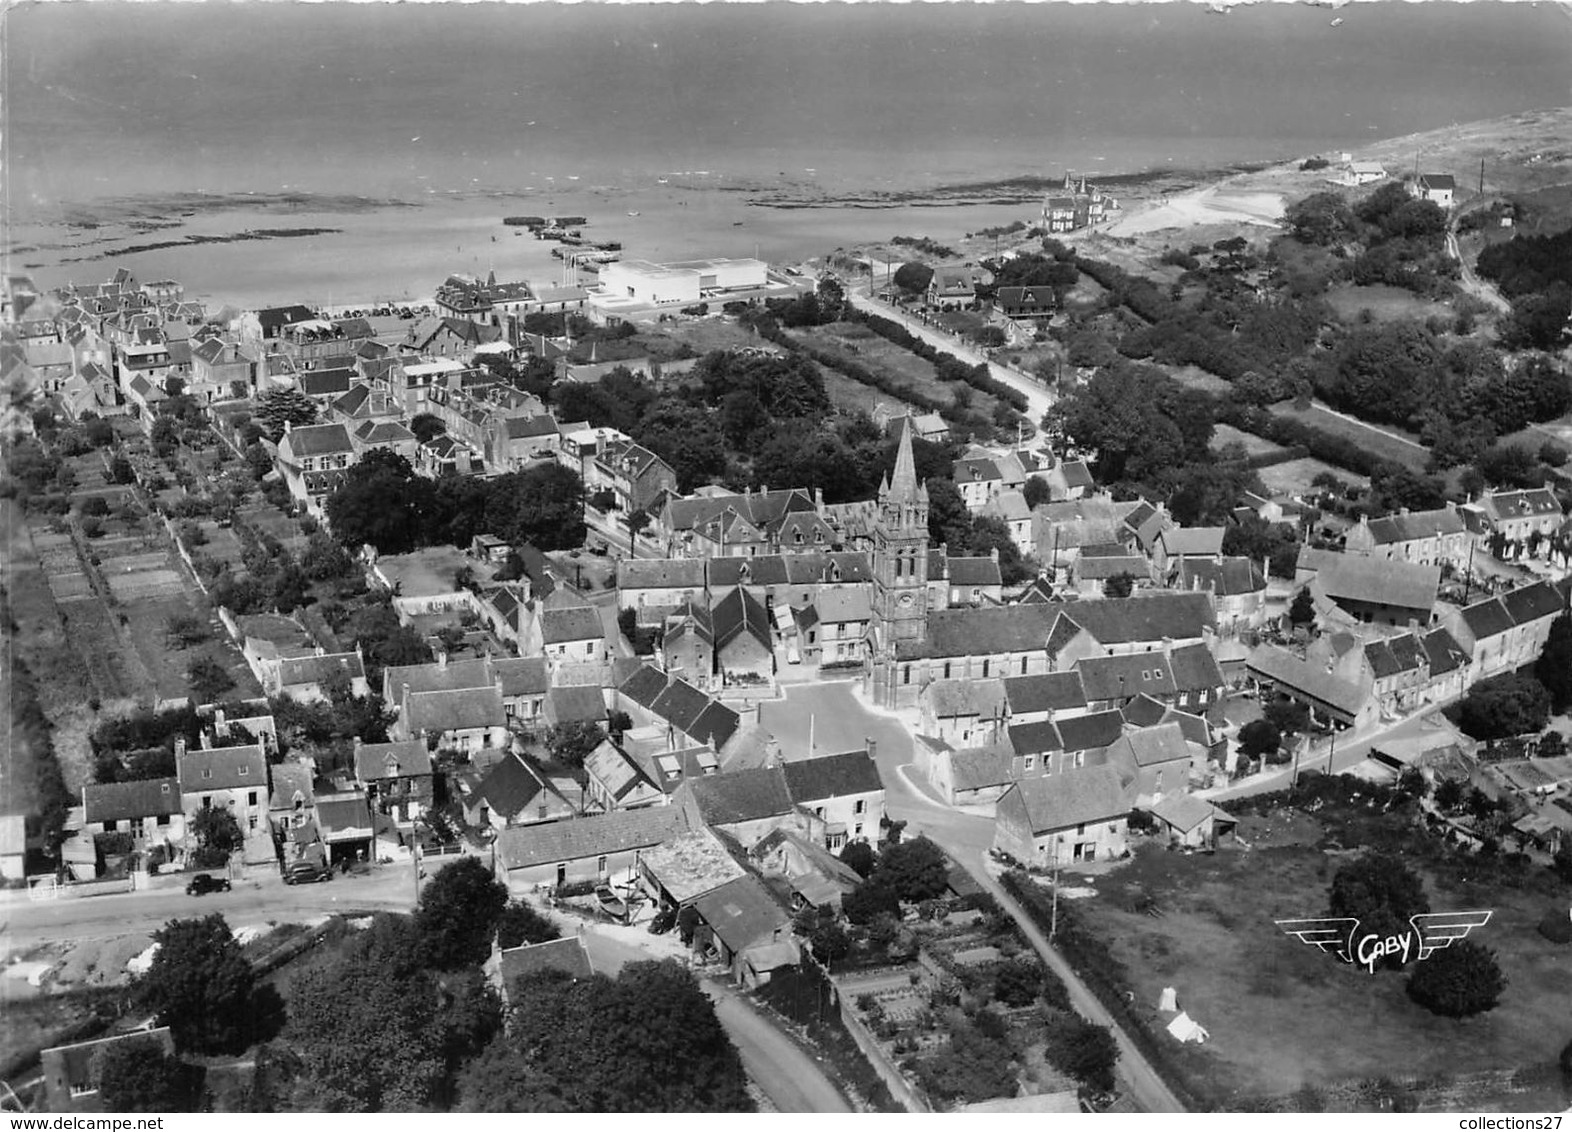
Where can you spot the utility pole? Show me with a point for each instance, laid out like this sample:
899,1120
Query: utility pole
414,858
1481,176
1053,917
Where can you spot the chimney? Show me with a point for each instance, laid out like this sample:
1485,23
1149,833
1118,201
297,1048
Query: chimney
873,746
220,724
818,498
180,746
442,660
994,553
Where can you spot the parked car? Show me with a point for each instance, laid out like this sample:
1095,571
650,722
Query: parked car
306,872
203,883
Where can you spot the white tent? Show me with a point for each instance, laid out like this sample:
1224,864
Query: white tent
1186,1029
1169,1001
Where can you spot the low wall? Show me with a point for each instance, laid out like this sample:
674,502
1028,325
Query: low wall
900,1088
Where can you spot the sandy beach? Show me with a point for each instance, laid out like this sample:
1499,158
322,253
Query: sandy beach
1212,205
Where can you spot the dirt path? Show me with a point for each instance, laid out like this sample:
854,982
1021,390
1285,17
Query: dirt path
1472,283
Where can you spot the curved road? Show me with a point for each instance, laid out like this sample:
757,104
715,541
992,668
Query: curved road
1472,283
842,722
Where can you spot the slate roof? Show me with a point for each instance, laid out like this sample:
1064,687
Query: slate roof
843,603
1194,727
344,815
299,670
510,786
1354,577
290,779
563,626
965,696
458,710
1415,525
1194,668
1118,677
576,703
1311,680
325,382
222,768
1143,711
318,440
982,571
1185,812
118,801
1487,618
1052,691
737,614
1078,796
372,760
1151,746
1229,578
1444,653
1034,738
831,776
644,686
977,768
582,838
454,675
1530,603
1090,732
621,775
1198,541
1101,568
661,574
743,913
743,795
566,955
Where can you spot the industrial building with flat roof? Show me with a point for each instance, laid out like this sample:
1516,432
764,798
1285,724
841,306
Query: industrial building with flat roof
643,282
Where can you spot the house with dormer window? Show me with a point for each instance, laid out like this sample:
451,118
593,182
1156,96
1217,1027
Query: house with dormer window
313,460
396,777
231,778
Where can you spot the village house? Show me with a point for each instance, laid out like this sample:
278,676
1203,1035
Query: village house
817,876
1430,538
654,588
715,523
1336,690
964,713
843,790
396,777
746,804
1044,697
1237,587
512,794
634,474
574,703
956,286
71,1072
1438,188
1509,631
507,967
231,778
1080,815
292,801
151,810
313,460
749,931
312,679
1514,524
743,644
601,847
961,582
467,720
1152,762
1026,304
615,781
1109,566
684,714
1191,822
1386,592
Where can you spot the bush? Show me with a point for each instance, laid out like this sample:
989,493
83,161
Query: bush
1458,981
1018,981
1556,926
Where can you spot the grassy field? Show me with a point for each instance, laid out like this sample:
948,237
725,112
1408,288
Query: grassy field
1254,445
1282,1015
706,334
859,344
1385,304
1194,377
1386,442
1295,475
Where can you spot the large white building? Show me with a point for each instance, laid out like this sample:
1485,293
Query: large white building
640,281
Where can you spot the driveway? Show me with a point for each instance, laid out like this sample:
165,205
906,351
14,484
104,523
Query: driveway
842,722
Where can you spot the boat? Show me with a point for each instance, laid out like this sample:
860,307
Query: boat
632,212
661,181
1338,22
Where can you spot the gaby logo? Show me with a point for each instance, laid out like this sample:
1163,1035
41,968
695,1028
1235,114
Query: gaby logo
1341,936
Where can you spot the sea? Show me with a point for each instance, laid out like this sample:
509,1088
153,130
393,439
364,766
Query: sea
342,154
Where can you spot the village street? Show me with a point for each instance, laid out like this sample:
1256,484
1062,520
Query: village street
841,722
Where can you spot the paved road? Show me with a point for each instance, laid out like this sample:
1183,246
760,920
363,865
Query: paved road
792,1080
1038,399
842,722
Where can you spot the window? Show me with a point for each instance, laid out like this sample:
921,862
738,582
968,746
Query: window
109,826
207,802
163,819
906,674
1029,762
245,771
857,830
600,865
251,798
1080,829
252,822
946,670
562,873
1023,666
860,807
207,772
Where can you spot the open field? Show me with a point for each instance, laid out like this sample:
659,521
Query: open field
1384,441
854,397
1295,475
1194,377
1254,445
1282,1015
704,334
858,344
1385,304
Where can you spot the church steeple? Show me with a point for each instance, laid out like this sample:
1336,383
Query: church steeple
904,487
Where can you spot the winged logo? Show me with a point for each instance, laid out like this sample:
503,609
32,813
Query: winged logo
1340,936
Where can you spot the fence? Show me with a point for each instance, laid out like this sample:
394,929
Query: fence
900,1088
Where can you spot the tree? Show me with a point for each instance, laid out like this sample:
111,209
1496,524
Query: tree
520,923
208,679
1554,666
1449,795
458,914
1257,738
1018,981
571,743
1036,491
136,1075
1302,610
120,470
278,407
1382,893
860,856
1504,706
648,1041
542,505
1120,585
1083,1049
182,630
217,834
1321,219
1458,981
381,501
971,1066
202,988
426,426
1290,717
913,278
913,870
870,900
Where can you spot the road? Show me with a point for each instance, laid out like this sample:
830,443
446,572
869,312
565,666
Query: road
791,1079
1472,283
1038,399
841,722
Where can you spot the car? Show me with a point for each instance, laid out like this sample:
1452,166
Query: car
306,872
203,883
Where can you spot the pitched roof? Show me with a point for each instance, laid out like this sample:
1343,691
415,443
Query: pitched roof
457,710
566,955
1151,746
1185,811
1051,691
1354,577
222,768
299,670
1078,796
117,801
289,779
743,795
581,838
965,696
317,440
977,571
1229,578
375,761
1198,541
644,686
661,573
576,703
453,675
743,913
1487,618
737,614
510,786
1530,603
1143,711
612,767
977,768
1034,738
1444,653
1090,732
1118,677
1310,680
1415,525
562,626
691,864
1194,668
831,776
